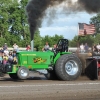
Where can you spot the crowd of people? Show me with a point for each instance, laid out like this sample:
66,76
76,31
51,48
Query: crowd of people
96,48
8,56
47,47
84,48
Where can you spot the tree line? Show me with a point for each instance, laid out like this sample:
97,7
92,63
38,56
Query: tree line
14,27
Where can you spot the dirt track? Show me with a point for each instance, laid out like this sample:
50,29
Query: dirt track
38,88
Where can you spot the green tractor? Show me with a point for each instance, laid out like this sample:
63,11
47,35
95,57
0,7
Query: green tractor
59,64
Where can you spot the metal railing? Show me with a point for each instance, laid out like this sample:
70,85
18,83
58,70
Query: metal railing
71,49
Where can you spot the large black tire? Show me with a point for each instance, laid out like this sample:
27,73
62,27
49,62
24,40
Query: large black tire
51,75
13,76
23,73
68,67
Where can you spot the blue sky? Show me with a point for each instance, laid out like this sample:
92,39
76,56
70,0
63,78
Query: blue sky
65,25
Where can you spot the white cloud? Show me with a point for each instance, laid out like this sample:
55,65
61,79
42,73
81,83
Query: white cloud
65,25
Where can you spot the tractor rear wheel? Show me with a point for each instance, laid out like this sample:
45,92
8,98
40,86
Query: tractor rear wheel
68,67
23,73
13,76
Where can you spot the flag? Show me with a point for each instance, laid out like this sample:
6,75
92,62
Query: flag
86,29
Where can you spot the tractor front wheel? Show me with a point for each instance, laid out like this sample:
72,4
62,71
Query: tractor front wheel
68,67
23,73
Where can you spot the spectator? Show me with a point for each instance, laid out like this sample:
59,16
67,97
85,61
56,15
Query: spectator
28,48
10,58
98,47
15,60
46,47
5,59
6,52
14,57
5,46
86,47
94,48
1,50
15,47
82,48
14,54
10,52
54,48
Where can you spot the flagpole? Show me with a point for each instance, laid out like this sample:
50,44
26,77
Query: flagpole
78,36
78,39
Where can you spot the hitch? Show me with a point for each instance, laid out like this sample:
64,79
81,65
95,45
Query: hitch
93,67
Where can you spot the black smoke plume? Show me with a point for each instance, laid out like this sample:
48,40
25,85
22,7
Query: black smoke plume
36,9
91,6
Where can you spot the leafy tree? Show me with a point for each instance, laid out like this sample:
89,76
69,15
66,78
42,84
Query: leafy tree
51,39
14,27
4,18
97,39
18,21
96,20
89,39
74,42
56,38
13,22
